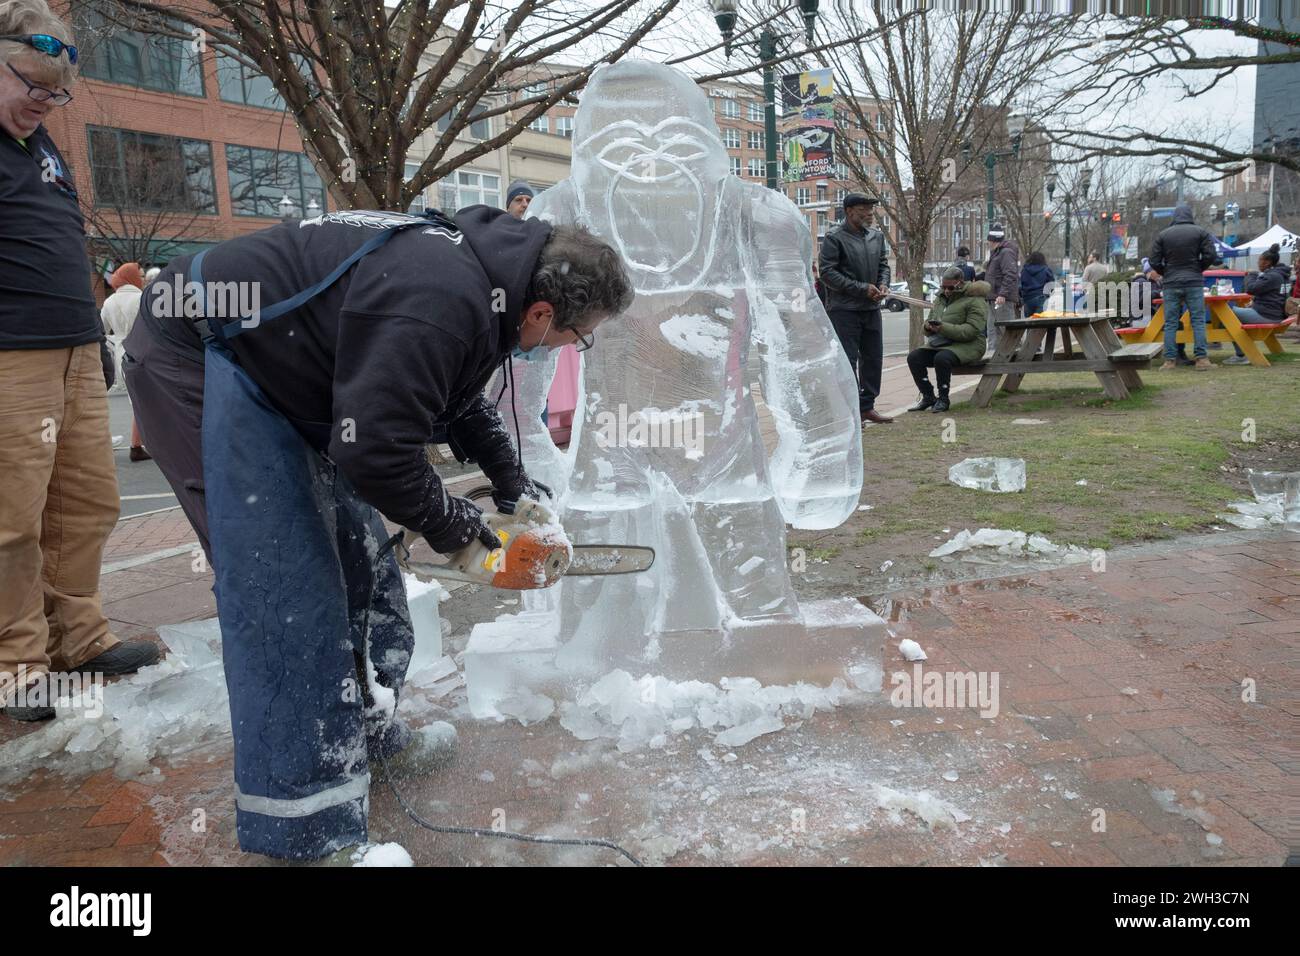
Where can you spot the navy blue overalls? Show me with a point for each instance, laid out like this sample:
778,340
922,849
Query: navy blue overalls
302,580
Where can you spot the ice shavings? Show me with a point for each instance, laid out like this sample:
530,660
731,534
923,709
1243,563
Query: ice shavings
163,710
935,813
648,711
1015,543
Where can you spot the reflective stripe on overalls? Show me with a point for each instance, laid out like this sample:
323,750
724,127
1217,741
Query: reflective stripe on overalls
293,554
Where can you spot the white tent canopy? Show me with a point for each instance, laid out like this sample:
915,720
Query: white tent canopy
1283,237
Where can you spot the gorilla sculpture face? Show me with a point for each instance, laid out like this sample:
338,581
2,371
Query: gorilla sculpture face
653,149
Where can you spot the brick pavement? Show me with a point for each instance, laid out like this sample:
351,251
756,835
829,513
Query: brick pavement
1116,706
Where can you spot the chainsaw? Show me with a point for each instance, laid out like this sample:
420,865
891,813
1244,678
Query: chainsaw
534,552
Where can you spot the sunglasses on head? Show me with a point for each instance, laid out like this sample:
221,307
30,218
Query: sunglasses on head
45,43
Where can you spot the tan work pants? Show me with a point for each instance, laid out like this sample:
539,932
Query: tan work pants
58,504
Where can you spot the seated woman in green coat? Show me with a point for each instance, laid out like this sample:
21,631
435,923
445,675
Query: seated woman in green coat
955,336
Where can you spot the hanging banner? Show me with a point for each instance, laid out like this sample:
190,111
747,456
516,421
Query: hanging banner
808,98
1118,234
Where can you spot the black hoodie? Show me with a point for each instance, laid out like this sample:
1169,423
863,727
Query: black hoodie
406,340
1269,289
1183,252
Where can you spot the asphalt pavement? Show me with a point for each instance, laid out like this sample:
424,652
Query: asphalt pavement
140,483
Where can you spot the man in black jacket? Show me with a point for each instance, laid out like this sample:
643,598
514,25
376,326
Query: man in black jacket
854,268
1179,257
283,430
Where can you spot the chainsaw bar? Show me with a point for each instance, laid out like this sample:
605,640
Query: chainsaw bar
599,559
589,560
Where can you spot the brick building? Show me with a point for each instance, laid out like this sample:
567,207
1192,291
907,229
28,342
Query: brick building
738,110
174,147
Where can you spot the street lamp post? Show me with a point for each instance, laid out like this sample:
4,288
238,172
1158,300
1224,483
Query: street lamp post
1085,183
724,14
1015,129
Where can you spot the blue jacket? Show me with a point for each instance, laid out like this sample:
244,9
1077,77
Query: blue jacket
1032,281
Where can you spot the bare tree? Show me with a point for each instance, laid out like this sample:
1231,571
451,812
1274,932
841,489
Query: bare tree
941,76
1135,53
362,79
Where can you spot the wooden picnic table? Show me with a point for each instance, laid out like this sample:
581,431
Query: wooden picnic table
1115,364
1221,325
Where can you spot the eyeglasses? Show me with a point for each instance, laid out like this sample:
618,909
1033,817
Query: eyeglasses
585,340
47,44
42,94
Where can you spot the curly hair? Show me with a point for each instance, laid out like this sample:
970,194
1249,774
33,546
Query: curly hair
582,277
18,17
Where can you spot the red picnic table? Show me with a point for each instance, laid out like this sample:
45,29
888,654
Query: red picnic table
1221,325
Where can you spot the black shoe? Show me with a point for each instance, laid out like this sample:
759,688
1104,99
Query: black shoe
139,454
38,692
941,404
126,658
927,400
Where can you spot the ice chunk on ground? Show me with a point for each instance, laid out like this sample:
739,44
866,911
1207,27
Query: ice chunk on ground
911,650
194,643
1013,544
936,814
381,854
742,734
163,710
989,474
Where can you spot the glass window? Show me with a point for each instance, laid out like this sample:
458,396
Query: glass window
730,109
803,196
880,122
755,112
467,188
861,146
755,139
239,84
479,129
756,168
417,204
564,126
735,165
146,171
261,178
880,174
166,64
542,124
840,194
821,192
732,138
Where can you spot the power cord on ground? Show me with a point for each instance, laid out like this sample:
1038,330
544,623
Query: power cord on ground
467,831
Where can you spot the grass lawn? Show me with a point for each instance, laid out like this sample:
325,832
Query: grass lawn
1159,463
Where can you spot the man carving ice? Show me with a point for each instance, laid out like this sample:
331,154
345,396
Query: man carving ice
717,264
285,434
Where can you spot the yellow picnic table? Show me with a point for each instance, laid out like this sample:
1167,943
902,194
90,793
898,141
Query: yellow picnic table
1221,326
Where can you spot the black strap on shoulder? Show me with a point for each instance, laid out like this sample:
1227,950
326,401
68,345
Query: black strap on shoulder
230,329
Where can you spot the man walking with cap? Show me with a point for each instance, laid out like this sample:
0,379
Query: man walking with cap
518,197
1003,277
854,268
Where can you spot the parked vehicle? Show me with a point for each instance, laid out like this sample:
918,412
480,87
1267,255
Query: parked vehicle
895,305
